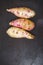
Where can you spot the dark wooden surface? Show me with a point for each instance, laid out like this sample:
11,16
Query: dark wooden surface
21,51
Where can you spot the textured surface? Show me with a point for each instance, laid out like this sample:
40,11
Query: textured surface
21,51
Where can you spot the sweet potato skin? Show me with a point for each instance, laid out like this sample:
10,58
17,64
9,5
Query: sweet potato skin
22,12
23,23
15,32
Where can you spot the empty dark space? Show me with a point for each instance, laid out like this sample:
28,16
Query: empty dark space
21,51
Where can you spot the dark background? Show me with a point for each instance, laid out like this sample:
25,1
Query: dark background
21,51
